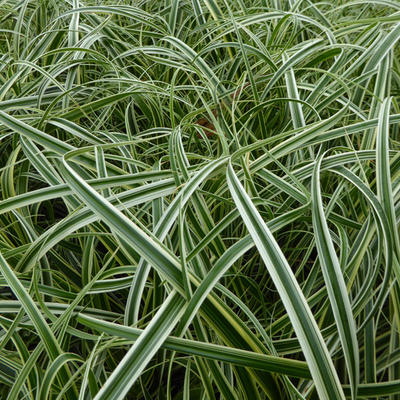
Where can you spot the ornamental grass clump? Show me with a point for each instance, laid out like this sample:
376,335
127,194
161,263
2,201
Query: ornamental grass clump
199,200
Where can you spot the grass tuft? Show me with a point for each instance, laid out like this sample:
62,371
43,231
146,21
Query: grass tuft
199,199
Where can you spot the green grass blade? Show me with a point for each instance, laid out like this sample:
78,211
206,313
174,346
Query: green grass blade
313,346
148,343
335,283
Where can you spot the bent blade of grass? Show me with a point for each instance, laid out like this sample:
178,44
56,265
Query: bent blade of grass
383,174
154,252
225,262
53,370
386,196
381,85
86,216
51,345
36,135
317,136
61,190
161,230
315,351
192,57
135,361
383,227
335,284
292,61
380,51
384,47
211,351
86,382
295,108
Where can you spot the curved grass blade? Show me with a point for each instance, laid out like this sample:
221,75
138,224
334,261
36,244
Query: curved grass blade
310,338
148,343
50,342
335,284
207,350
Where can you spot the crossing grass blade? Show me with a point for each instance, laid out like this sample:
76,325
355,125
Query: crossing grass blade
207,350
307,331
133,363
46,335
335,283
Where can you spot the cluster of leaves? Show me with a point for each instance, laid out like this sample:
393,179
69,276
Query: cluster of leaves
199,199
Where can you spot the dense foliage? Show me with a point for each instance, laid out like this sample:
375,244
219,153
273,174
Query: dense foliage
199,199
